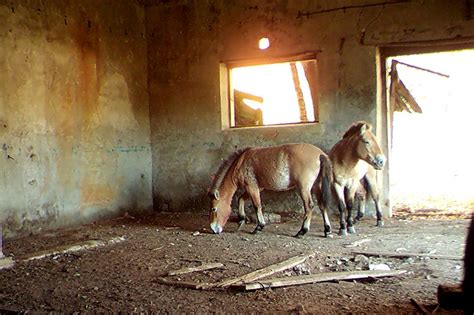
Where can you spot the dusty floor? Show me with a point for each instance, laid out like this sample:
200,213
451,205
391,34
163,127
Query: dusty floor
122,277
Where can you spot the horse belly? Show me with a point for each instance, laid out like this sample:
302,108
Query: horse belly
281,181
277,178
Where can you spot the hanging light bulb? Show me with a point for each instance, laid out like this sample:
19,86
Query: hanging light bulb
263,43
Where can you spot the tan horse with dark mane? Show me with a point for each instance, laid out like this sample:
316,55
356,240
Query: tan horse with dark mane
353,160
279,168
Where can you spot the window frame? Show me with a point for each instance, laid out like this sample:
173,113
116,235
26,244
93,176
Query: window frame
227,99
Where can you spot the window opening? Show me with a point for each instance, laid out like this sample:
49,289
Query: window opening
272,94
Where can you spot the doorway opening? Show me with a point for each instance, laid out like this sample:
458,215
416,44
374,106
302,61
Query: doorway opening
432,156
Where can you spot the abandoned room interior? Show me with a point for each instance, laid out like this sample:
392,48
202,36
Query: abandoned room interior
118,116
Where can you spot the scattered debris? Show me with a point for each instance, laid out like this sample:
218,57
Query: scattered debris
6,262
258,274
407,254
196,233
357,243
322,277
74,248
193,269
255,275
246,282
379,267
301,269
361,258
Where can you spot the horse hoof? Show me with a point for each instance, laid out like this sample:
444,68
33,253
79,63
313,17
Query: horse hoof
342,232
351,230
380,223
301,232
256,231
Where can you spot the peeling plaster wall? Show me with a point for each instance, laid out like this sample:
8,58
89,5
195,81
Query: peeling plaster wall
74,117
188,39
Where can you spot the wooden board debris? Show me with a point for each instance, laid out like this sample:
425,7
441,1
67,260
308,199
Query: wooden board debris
407,254
264,272
73,248
321,277
194,269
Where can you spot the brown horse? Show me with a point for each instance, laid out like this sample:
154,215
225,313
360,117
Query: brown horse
353,160
278,168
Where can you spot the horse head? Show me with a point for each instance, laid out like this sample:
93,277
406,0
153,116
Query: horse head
368,148
219,211
221,193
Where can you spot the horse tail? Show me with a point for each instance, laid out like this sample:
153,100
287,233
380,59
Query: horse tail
325,177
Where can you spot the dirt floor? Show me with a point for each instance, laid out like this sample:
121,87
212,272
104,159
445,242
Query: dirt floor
123,276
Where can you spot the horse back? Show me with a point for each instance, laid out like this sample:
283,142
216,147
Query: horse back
281,167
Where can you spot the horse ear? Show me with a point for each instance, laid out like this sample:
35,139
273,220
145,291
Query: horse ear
216,194
364,128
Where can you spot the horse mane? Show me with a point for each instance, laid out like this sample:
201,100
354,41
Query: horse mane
224,168
355,128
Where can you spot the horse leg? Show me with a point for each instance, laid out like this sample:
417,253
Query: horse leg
257,204
349,197
342,206
374,192
322,204
360,196
308,211
242,215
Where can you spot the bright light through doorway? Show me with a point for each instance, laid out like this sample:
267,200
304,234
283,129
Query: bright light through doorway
275,84
432,160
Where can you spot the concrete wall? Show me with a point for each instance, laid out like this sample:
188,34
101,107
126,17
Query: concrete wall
188,39
74,117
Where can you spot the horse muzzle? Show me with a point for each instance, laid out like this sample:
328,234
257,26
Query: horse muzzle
216,228
379,162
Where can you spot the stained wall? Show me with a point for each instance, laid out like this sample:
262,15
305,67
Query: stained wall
74,117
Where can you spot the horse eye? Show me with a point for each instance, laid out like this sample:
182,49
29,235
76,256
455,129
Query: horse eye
366,142
214,209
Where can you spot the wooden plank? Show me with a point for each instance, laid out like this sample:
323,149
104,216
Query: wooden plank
322,277
258,274
73,248
407,254
194,269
